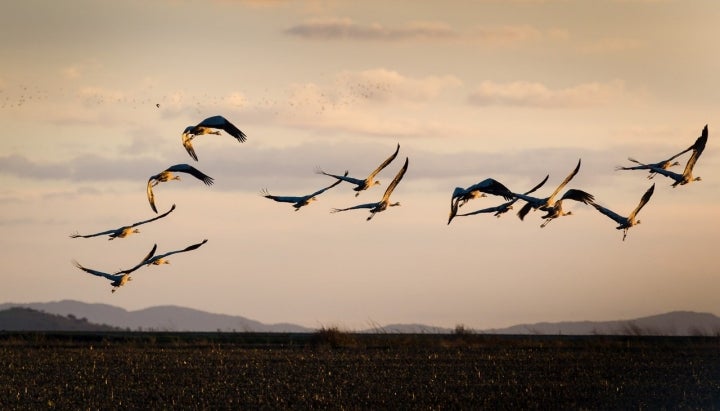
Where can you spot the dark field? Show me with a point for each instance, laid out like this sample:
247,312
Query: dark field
337,370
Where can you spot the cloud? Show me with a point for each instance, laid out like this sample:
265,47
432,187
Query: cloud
610,45
336,29
530,94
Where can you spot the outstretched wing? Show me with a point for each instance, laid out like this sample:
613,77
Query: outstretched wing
578,195
108,232
222,123
187,143
280,199
384,164
351,180
188,248
357,207
542,183
697,148
524,210
645,198
492,186
502,208
565,182
396,180
151,196
155,218
144,261
94,272
187,168
613,215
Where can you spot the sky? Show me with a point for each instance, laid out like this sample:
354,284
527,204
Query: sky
94,96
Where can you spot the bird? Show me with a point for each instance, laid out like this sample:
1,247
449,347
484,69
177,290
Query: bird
687,176
211,125
502,208
301,201
161,259
168,175
460,195
665,164
124,231
547,202
626,222
119,278
555,211
384,203
368,182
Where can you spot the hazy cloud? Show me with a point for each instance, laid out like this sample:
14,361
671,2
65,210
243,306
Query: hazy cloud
611,45
334,29
530,94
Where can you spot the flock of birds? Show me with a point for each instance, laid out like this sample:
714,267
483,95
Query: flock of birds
551,205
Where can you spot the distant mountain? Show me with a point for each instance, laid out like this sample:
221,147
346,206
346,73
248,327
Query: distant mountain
687,323
174,318
161,318
27,319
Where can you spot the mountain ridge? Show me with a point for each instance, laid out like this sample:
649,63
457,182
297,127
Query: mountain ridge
179,319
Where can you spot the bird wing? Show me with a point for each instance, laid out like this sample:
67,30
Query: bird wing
187,143
352,180
223,124
94,272
187,168
542,183
698,148
492,186
169,253
280,199
155,218
108,232
359,206
502,207
322,190
578,195
384,164
613,215
396,180
645,198
564,183
150,195
524,210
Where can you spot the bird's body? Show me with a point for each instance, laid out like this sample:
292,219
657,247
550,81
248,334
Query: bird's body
299,201
119,278
162,258
497,210
625,223
384,203
124,231
460,195
211,125
687,177
556,210
546,203
364,184
168,174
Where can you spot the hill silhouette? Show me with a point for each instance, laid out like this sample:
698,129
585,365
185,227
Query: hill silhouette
28,319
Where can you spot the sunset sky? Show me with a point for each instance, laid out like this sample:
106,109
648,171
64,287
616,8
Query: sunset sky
512,90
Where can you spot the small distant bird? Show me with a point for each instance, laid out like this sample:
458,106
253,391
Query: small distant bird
161,259
687,176
368,182
626,222
168,175
544,203
384,203
211,125
124,231
460,195
301,201
157,105
119,278
502,208
554,211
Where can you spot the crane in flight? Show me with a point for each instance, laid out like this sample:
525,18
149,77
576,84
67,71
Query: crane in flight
460,195
299,201
687,175
544,204
119,278
384,203
162,258
624,223
170,174
211,125
124,231
369,181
